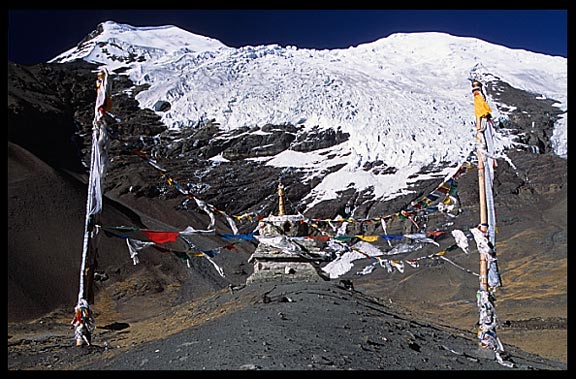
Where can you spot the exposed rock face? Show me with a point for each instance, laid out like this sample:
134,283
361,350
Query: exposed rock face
319,139
162,106
531,120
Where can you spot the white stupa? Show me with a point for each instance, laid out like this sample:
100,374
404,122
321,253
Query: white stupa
286,251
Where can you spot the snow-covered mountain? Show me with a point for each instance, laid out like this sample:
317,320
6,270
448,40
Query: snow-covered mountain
349,132
404,100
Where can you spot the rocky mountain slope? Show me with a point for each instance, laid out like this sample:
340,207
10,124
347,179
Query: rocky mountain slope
50,113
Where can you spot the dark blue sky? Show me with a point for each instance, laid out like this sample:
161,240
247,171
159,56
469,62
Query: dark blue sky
36,36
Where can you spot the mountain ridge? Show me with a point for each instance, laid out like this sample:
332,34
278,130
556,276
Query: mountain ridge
396,88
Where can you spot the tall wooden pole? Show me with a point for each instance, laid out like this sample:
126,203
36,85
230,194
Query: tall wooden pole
98,158
482,111
487,338
483,208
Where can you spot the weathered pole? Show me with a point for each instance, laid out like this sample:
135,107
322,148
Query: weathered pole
98,159
483,209
482,112
489,276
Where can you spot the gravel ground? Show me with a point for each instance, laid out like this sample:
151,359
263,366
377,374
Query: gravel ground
276,326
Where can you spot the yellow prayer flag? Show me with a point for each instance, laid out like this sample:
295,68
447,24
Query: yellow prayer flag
481,108
368,238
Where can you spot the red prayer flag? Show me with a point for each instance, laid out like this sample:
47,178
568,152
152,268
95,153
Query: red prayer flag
162,237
